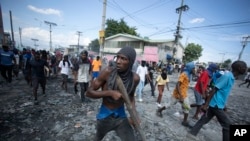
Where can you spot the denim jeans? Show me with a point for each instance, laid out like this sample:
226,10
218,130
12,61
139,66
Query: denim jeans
220,115
152,87
6,72
84,86
120,125
139,89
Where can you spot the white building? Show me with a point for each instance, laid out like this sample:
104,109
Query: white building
165,47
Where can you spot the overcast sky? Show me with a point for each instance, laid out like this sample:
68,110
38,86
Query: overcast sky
217,25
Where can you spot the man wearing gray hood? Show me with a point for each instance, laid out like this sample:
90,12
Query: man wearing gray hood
112,115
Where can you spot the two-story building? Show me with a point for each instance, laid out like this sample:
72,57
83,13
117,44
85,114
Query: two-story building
164,47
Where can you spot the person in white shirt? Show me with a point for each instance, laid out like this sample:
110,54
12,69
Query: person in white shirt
83,73
142,71
65,65
16,67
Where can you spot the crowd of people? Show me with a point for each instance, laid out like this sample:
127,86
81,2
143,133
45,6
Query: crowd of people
211,91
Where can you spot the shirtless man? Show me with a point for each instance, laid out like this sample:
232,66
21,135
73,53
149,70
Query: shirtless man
112,115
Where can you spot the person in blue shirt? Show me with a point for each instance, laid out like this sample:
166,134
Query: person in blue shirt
217,99
6,64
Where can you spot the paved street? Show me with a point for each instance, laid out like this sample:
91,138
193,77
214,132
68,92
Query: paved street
60,116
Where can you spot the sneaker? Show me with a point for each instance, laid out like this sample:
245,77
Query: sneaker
158,105
140,100
186,124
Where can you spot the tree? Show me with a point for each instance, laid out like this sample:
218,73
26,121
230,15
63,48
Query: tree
114,27
226,64
192,52
94,45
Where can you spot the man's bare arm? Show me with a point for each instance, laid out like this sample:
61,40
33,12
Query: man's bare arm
100,82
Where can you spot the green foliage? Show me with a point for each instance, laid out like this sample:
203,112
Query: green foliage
226,64
94,45
115,27
192,52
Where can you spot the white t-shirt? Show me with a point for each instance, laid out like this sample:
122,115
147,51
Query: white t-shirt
65,68
83,73
142,71
247,76
17,58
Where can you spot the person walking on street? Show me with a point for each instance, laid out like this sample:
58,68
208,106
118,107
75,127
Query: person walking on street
151,76
161,81
217,100
83,73
6,58
142,71
16,66
37,73
201,87
64,66
247,79
75,61
96,67
27,57
112,115
180,93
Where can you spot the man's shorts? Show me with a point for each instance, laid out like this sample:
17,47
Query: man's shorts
198,98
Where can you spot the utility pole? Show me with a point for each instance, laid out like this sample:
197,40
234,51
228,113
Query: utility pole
244,44
20,34
1,28
222,61
50,24
79,34
102,31
35,40
177,33
12,32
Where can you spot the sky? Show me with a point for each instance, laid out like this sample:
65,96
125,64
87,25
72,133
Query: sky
218,26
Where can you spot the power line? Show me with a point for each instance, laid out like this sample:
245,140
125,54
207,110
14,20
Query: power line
225,25
218,25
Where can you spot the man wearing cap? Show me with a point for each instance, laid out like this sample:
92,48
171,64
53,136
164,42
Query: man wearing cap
201,87
112,115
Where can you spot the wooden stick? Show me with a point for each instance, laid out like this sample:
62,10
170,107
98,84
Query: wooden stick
129,107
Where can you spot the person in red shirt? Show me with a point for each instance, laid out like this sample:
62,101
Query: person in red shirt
200,88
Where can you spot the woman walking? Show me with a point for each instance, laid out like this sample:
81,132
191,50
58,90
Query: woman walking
161,81
65,65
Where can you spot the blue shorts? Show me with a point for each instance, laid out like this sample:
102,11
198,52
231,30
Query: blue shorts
95,74
198,98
